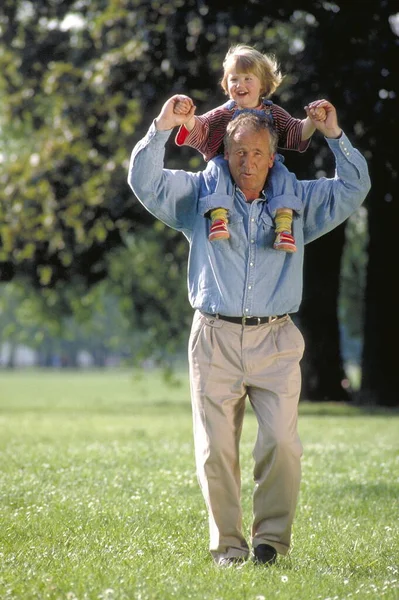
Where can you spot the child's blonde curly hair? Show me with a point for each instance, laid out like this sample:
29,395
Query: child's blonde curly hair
245,59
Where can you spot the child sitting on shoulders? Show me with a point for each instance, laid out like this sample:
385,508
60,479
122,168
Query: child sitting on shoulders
249,79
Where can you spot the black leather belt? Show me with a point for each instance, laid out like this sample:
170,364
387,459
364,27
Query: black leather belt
250,320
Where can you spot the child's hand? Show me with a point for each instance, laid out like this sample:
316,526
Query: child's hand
169,118
319,114
183,105
327,124
316,112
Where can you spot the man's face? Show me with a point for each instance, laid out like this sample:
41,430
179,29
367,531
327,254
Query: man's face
249,160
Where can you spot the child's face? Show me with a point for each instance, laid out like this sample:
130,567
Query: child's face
244,88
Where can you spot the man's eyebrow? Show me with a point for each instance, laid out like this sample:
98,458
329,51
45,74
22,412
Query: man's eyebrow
246,148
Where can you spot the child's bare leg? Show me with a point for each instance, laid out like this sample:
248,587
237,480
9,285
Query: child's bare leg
284,238
219,220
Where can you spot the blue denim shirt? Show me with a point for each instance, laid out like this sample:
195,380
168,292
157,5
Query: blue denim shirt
244,275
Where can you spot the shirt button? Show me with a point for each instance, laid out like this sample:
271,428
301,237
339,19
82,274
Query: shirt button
250,287
252,241
251,264
252,220
247,310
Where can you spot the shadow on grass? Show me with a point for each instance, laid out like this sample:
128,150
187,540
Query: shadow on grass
166,406
157,407
355,493
371,491
344,409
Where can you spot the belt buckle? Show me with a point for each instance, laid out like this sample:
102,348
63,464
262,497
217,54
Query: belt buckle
274,318
243,320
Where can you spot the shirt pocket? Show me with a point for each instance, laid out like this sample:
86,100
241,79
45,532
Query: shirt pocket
237,239
267,231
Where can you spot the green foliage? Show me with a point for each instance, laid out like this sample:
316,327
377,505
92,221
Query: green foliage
150,278
75,99
98,325
99,498
80,83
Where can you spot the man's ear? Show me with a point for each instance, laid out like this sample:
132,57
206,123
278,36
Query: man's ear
271,160
226,155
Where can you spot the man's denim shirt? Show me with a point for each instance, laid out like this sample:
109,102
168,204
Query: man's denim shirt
244,275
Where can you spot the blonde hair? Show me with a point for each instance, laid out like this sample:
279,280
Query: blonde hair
245,59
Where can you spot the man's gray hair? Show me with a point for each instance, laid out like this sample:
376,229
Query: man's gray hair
255,121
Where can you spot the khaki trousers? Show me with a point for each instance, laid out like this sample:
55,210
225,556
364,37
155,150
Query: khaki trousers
229,363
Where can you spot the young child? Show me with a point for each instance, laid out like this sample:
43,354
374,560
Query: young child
249,78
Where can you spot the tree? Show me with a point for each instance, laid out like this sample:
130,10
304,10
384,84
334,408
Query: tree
98,326
75,96
80,83
360,71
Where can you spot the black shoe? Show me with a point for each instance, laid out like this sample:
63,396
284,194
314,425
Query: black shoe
265,554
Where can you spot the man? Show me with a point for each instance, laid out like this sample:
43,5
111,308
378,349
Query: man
243,343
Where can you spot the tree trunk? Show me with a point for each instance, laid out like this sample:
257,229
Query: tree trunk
322,368
379,383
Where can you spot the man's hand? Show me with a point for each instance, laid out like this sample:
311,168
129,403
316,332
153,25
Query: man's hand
169,117
326,123
183,105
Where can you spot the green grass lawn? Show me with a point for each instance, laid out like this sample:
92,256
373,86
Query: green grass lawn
99,498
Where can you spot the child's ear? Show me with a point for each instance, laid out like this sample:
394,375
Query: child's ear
226,155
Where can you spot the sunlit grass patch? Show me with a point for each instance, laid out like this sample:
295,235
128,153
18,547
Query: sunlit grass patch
99,498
